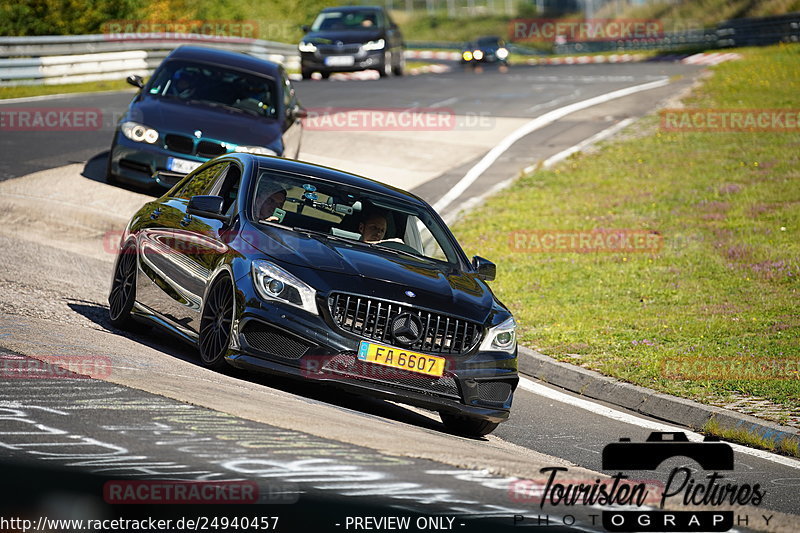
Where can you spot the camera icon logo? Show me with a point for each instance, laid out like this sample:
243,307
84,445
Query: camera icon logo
711,454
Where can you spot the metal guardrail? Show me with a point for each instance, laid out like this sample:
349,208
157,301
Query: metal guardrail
737,32
78,58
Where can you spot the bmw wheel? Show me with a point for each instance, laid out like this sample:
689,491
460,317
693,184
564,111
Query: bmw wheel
123,289
216,322
467,426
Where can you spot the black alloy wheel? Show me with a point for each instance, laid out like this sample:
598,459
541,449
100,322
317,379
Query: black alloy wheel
216,323
123,289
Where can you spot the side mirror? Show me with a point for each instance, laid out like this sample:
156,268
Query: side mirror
486,270
306,28
299,112
206,206
135,80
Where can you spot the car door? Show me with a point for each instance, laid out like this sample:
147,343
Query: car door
292,123
174,280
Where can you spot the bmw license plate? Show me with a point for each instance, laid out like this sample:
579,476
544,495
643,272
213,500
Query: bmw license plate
430,365
340,61
181,165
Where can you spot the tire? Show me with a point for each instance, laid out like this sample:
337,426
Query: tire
216,323
467,426
110,177
306,74
400,69
325,75
386,68
123,289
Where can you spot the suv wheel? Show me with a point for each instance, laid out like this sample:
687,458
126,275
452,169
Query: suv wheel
386,68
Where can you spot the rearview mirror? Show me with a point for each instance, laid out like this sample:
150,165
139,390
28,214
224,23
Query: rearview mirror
306,28
206,206
135,80
486,270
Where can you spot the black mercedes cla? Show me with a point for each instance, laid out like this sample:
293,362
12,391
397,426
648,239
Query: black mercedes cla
301,270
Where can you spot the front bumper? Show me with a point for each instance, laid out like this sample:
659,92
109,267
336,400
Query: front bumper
283,340
136,163
315,61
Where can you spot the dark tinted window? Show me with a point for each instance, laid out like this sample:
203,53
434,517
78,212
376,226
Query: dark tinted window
364,19
202,182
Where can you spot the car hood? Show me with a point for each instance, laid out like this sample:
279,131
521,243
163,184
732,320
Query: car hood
169,115
346,37
436,285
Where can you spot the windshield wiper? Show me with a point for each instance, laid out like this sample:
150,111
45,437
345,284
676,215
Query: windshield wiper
223,106
330,236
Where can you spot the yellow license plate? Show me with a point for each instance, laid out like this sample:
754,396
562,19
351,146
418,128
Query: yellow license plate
397,358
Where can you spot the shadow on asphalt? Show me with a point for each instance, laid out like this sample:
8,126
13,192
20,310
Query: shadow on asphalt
163,342
95,170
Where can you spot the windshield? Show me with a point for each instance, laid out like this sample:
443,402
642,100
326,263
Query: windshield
214,86
346,20
337,212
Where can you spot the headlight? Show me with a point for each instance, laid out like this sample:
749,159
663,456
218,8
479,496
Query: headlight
502,53
139,132
307,47
374,45
274,283
477,54
467,56
255,150
501,337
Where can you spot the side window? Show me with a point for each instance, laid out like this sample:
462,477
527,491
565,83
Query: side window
203,182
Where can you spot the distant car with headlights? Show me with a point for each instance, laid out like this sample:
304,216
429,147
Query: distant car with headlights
201,103
485,50
352,38
300,270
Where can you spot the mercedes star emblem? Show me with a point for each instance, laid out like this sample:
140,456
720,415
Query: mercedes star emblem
406,329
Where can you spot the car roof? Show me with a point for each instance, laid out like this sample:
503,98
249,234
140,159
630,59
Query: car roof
331,174
225,58
353,8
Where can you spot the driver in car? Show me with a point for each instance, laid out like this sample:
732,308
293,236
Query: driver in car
268,199
373,226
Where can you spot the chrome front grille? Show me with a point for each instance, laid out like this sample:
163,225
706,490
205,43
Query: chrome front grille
372,319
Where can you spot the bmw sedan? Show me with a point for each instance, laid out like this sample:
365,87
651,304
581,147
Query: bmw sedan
295,269
485,50
201,103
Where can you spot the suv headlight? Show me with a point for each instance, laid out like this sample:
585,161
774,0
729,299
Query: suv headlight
374,45
139,132
255,150
274,283
502,337
307,47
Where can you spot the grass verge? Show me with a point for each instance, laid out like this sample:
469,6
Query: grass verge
23,91
723,290
748,438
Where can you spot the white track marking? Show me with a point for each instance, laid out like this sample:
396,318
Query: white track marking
626,418
529,127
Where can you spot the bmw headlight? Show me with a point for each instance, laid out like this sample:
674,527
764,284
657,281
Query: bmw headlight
307,47
502,337
255,150
139,132
467,55
374,45
274,283
502,53
478,54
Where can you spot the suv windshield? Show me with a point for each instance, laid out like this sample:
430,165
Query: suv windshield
346,20
214,86
337,212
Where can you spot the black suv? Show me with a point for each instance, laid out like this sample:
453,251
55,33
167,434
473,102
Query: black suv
352,38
